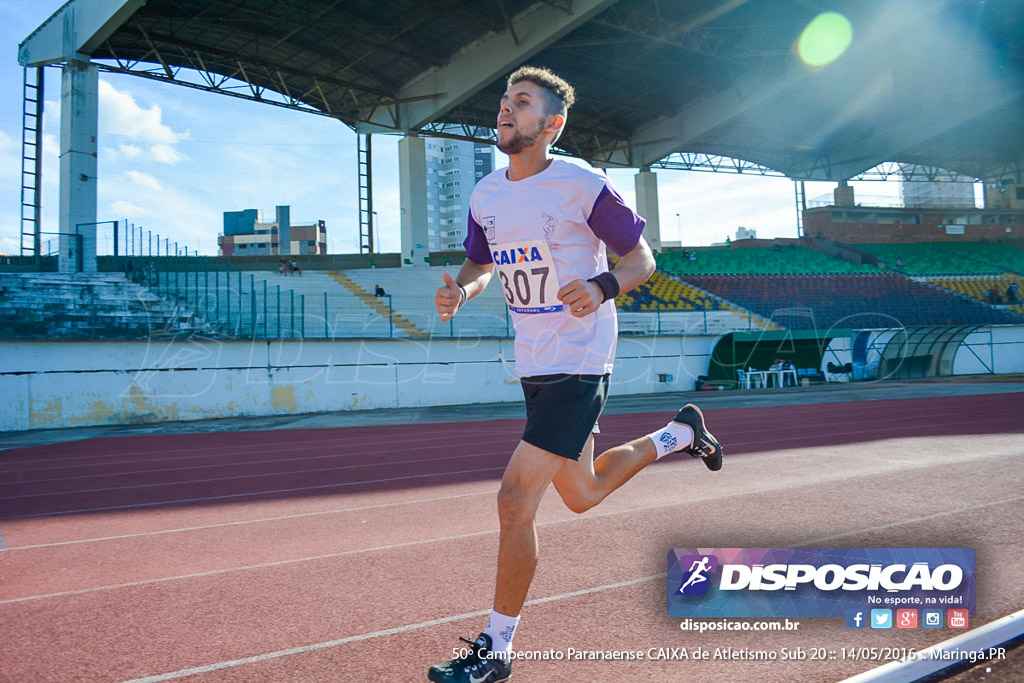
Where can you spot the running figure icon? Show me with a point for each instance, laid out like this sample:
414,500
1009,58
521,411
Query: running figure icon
697,576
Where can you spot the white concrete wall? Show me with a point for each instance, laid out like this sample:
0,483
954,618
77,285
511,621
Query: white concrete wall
49,385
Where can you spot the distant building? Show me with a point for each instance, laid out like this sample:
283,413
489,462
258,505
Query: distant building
246,234
746,233
453,168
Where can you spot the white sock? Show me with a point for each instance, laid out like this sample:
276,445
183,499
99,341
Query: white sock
673,437
501,629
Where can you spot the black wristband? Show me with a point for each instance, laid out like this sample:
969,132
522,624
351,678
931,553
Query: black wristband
608,284
462,296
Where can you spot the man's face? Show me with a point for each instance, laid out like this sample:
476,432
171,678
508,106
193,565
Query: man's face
521,117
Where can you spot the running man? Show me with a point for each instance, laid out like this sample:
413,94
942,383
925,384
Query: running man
543,224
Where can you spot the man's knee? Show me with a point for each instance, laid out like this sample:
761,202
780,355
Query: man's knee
514,505
579,501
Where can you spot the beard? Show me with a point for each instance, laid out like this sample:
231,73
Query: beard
518,142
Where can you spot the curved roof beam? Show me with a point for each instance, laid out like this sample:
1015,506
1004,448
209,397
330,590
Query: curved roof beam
429,95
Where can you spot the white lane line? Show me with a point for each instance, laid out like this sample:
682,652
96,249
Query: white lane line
229,464
265,565
378,634
913,520
249,495
259,475
262,520
948,653
435,622
223,450
774,442
469,431
223,459
443,539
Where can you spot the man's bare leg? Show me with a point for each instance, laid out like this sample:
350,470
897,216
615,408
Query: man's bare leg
526,478
585,483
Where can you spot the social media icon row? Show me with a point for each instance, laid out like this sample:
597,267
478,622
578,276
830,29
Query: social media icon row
905,618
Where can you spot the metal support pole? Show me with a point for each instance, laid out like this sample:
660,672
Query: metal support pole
252,305
391,318
327,333
265,336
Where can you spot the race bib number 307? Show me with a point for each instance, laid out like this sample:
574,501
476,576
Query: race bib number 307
527,274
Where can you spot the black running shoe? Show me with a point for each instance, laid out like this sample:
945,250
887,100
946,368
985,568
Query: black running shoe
478,666
705,446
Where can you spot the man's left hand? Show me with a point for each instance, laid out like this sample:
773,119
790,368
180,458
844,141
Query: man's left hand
582,297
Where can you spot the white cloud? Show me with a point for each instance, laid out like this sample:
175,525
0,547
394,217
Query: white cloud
128,210
9,246
165,154
144,180
121,115
122,152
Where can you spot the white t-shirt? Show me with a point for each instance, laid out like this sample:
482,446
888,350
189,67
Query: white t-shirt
542,233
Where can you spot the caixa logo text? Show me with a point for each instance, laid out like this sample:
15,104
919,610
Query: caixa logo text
831,577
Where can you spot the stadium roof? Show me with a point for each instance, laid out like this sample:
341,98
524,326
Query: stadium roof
937,83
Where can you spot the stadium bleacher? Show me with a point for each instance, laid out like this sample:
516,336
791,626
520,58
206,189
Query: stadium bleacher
245,304
852,300
1002,257
923,258
412,295
978,288
753,260
719,290
89,306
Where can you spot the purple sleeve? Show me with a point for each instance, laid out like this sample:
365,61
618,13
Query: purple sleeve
616,224
477,249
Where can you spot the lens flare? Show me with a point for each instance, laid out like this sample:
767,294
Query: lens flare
824,39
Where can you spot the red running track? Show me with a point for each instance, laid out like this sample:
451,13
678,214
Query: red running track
361,554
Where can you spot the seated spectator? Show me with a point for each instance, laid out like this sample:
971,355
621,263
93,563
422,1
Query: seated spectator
993,296
295,267
1011,293
379,291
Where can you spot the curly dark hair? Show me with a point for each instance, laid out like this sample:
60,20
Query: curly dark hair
560,95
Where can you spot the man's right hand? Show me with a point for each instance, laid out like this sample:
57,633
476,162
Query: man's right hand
447,298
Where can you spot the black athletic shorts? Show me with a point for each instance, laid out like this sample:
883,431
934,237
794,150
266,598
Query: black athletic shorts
562,411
